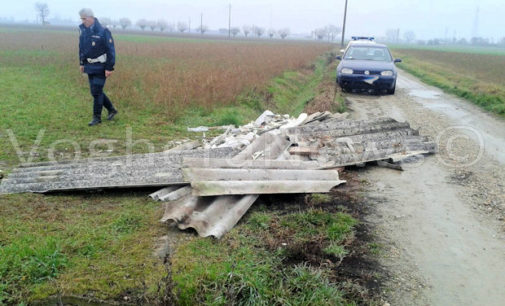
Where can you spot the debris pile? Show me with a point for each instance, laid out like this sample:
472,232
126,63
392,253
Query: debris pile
209,186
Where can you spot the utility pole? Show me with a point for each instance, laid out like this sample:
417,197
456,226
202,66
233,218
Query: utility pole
189,25
201,23
343,27
229,21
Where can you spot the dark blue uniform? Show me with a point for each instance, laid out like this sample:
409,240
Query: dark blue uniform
94,42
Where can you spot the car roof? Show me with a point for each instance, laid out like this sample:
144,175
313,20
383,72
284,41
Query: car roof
366,44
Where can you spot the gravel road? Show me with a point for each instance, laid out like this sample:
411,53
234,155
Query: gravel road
440,222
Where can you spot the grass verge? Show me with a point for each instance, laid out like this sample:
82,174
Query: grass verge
271,258
475,77
99,245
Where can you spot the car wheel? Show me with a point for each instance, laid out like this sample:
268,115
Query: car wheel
392,90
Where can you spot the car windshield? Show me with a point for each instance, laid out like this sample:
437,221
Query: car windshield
368,53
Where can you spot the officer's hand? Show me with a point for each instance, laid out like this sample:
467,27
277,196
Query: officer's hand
82,69
107,73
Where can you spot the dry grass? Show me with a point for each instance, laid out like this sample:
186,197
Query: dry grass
168,74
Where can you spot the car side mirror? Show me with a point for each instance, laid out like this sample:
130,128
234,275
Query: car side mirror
339,57
398,60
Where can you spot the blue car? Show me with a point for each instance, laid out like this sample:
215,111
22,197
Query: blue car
368,66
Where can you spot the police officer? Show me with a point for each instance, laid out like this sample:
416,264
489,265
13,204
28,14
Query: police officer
97,57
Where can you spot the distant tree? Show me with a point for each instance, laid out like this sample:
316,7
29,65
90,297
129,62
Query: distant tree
152,24
258,31
271,33
182,26
42,11
283,33
479,41
332,31
409,36
433,42
114,23
142,23
234,31
105,21
502,41
203,28
393,35
162,24
125,22
170,27
320,33
246,30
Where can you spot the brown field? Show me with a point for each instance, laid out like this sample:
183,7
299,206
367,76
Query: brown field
482,67
166,73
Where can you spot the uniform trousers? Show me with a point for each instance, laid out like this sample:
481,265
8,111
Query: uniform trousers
100,99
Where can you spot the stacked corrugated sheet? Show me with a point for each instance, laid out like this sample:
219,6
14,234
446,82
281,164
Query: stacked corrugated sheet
210,188
302,156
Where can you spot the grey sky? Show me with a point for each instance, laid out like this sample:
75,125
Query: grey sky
427,18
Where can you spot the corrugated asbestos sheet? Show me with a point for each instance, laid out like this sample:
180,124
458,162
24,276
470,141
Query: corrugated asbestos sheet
338,143
283,157
156,169
332,143
214,216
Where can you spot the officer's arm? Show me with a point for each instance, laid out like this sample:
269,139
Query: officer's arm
110,50
81,55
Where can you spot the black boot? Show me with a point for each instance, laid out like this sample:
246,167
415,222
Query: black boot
112,113
96,120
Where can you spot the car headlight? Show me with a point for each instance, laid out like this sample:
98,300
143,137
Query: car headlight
387,73
346,71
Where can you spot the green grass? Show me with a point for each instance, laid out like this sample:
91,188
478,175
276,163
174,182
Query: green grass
293,90
477,78
95,243
248,266
491,50
100,244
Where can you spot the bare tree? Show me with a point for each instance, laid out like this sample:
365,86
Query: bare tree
271,33
246,30
105,21
152,24
320,33
170,27
234,31
409,36
142,23
258,31
283,33
333,31
114,24
125,22
203,29
393,35
42,11
162,24
182,26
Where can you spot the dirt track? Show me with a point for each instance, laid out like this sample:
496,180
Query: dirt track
441,221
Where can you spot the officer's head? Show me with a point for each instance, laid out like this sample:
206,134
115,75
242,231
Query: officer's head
87,17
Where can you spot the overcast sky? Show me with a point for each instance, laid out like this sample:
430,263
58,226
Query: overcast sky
427,18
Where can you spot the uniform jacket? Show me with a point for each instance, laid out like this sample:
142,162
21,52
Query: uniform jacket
93,42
